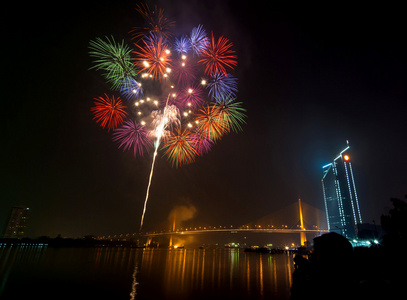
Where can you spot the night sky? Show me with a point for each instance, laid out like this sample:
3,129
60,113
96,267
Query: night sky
311,76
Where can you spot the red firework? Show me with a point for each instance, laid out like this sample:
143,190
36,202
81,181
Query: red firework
154,57
217,56
156,22
109,111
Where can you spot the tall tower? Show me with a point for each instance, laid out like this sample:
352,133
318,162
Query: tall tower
340,196
17,222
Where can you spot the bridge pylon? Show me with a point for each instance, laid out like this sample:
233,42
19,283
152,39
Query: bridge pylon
303,236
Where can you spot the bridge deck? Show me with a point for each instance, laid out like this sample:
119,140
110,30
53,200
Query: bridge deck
234,230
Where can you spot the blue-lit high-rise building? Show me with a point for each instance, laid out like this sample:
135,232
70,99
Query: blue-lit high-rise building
340,196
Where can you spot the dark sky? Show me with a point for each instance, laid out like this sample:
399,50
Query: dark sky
310,76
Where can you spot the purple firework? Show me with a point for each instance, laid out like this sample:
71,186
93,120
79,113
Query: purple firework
132,134
222,86
201,142
199,40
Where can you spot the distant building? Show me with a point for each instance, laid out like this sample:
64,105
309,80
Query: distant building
340,196
17,222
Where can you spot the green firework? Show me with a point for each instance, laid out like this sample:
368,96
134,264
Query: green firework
113,59
232,112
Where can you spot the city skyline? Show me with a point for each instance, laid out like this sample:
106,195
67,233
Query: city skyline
310,78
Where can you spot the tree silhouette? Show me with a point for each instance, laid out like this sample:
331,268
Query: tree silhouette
395,224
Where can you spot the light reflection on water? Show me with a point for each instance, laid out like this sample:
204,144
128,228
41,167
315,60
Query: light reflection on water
223,272
139,274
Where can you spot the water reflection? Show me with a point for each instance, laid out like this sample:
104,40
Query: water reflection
135,283
9,256
139,274
182,273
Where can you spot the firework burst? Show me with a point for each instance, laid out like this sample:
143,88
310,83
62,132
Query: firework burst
232,113
181,104
220,86
113,59
211,122
184,72
192,97
132,134
200,142
131,89
154,56
198,39
217,55
155,22
109,112
179,147
183,45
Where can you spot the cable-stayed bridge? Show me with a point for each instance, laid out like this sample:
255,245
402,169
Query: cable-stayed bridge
290,219
299,218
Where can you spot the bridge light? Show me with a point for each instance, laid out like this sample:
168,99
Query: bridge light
346,157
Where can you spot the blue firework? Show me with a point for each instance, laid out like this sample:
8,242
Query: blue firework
222,86
183,45
199,40
131,89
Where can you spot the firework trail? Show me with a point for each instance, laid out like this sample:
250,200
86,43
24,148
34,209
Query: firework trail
149,184
192,71
169,116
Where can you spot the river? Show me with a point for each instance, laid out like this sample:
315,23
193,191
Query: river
129,273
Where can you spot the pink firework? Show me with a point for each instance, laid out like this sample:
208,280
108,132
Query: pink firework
200,142
132,134
192,96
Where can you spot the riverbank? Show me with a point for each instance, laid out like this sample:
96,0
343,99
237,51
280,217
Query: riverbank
66,242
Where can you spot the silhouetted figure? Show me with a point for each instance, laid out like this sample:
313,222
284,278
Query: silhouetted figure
301,277
327,273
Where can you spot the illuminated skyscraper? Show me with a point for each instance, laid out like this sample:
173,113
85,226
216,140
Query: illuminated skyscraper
340,196
17,222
